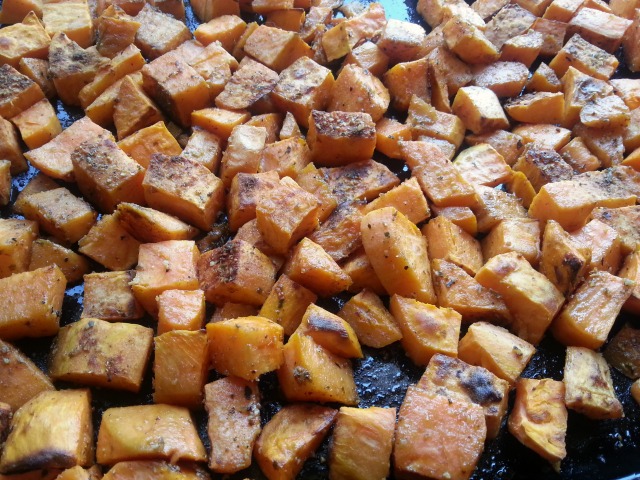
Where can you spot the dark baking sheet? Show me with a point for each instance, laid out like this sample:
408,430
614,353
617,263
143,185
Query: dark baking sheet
595,449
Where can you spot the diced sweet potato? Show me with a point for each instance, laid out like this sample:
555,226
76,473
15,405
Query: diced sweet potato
248,86
290,438
603,242
623,220
159,470
359,181
479,109
134,110
631,271
468,42
539,417
544,79
331,332
454,447
159,32
16,242
115,31
357,90
447,241
38,124
17,92
589,314
98,353
148,225
425,120
148,432
148,141
482,165
461,216
46,252
521,236
233,408
276,48
15,47
401,41
10,148
286,303
510,21
20,378
370,57
585,57
244,151
52,430
339,235
505,79
180,310
407,198
71,18
342,38
108,296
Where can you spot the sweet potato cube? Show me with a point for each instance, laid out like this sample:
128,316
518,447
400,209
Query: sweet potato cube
180,368
10,148
468,42
245,347
218,121
342,38
20,378
339,138
482,165
447,241
407,79
148,225
38,124
363,180
115,31
523,48
454,447
631,271
160,470
108,296
60,213
520,186
507,144
479,110
407,198
164,266
425,120
231,311
52,430
398,253
243,153
16,241
225,29
46,252
370,57
562,261
607,145
630,42
363,276
401,41
311,373
602,29
604,243
544,79
458,290
246,189
106,175
585,57
588,385
389,133
373,324
514,235
176,86
109,244
456,379
101,109
357,90
609,188
203,147
159,32
495,349
339,235
494,206
287,303
587,318
539,417
98,353
290,438
314,181
286,157
311,266
180,310
54,157
623,220
249,85
426,329
362,443
276,48
147,432
196,198
71,18
511,21
532,299
134,110
331,332
17,92
439,179
579,157
205,10
272,122
26,39
233,408
579,88
540,107
155,139
608,112
504,78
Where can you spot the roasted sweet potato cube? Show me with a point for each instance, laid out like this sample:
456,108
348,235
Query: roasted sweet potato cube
426,329
203,147
362,442
339,235
523,48
245,347
183,188
311,266
401,41
630,42
531,298
115,31
15,47
512,20
389,133
482,165
164,266
456,379
159,32
607,145
447,241
272,122
290,438
439,179
579,157
544,79
623,220
540,107
142,432
180,368
109,244
148,225
39,183
539,417
233,408
10,148
106,175
16,241
20,378
612,188
588,385
468,42
311,373
286,304
579,88
373,324
604,243
231,311
479,110
248,85
180,310
71,18
46,252
514,235
225,29
246,189
520,186
286,157
398,253
134,110
454,447
363,276
562,10
276,48
605,30
205,10
608,112
562,261
357,90
176,86
17,92
425,120
101,109
38,124
108,296
494,206
407,79
244,151
160,470
585,57
148,141
495,349
370,57
314,181
407,198
52,430
98,353
54,157
60,213
331,332
458,290
589,314
507,144
363,180
631,271
339,138
504,78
